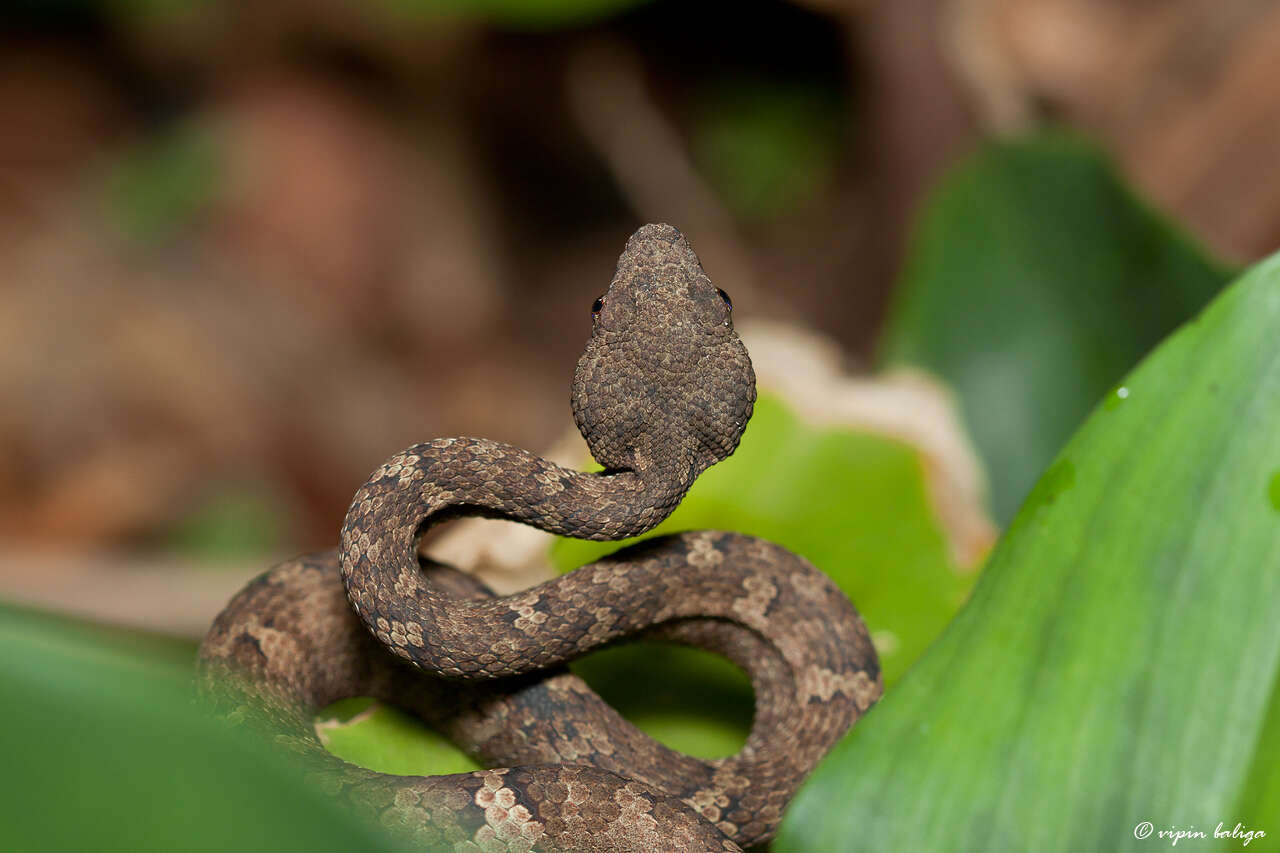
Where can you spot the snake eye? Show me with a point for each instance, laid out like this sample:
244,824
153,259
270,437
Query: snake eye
596,307
728,306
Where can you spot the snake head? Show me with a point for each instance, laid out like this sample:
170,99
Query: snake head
665,387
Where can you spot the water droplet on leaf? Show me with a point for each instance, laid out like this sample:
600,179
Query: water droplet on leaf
1118,395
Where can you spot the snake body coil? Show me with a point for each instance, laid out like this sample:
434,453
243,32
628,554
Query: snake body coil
663,391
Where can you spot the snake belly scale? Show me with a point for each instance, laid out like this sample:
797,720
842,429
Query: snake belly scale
663,390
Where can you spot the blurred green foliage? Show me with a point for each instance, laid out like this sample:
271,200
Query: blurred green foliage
1035,281
231,522
159,186
1119,661
768,148
105,750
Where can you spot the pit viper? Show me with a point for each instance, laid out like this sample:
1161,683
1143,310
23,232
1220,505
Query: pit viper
663,390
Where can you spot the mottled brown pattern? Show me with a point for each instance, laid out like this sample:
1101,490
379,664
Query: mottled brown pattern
663,391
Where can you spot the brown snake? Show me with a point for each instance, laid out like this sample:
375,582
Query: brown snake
663,390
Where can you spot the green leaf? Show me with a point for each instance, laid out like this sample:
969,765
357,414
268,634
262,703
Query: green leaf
853,504
1036,280
105,750
1119,660
388,740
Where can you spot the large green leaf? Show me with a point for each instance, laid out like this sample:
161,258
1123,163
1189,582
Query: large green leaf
1036,280
105,750
852,503
1118,662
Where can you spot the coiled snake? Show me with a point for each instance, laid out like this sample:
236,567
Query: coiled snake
663,390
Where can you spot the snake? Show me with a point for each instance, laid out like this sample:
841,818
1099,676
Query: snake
662,391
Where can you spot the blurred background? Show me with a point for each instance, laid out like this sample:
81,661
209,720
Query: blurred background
251,249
